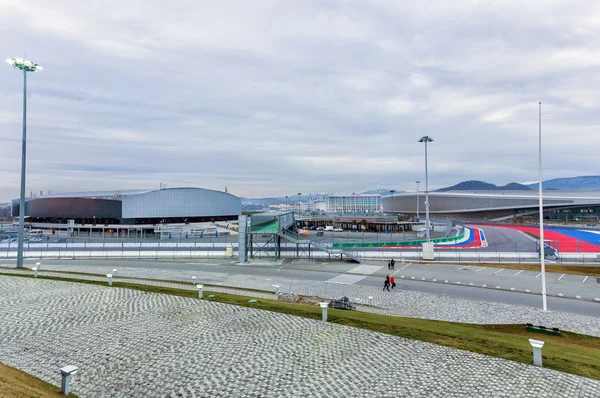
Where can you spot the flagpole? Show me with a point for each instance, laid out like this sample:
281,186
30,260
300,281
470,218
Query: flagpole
542,246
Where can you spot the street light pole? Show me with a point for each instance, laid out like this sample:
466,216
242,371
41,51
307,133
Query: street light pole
426,139
392,192
299,203
25,66
542,247
418,182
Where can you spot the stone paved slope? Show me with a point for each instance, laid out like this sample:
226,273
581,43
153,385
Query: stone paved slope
400,302
134,344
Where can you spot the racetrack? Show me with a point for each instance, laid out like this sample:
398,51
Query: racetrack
503,239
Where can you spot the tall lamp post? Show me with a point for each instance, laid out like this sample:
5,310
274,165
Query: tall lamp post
286,203
418,182
299,203
426,139
542,247
392,192
25,66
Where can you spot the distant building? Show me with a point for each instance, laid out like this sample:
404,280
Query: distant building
142,206
353,203
498,205
320,205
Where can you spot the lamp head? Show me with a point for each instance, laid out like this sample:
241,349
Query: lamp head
23,65
69,370
426,139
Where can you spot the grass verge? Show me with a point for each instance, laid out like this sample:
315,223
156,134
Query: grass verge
15,383
570,352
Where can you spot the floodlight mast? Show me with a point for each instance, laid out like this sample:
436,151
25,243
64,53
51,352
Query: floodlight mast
25,66
426,139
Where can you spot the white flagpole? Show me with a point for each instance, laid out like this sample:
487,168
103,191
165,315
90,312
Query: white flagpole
542,246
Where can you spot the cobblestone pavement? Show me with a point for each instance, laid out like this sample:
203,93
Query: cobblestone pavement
133,344
400,303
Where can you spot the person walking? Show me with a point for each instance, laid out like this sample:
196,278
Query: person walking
386,283
393,263
393,281
389,264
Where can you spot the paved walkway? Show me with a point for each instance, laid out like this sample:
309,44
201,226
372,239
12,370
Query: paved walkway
400,302
134,344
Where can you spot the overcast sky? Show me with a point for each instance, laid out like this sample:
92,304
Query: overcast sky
271,98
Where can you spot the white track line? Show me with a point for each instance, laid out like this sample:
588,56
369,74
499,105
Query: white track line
519,272
500,270
480,269
463,268
585,279
560,276
538,274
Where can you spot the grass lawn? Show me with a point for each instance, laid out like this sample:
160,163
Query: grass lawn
569,352
17,384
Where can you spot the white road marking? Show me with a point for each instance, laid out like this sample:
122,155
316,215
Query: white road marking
463,268
560,276
480,269
364,269
519,272
500,270
538,274
585,279
346,279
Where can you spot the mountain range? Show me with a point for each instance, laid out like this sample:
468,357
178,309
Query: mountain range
581,183
484,186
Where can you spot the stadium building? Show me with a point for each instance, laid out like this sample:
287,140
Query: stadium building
142,206
498,205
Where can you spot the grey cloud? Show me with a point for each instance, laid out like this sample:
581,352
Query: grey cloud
320,97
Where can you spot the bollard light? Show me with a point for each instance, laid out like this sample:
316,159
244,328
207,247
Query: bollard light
324,310
35,270
193,280
370,300
109,276
537,351
276,290
114,272
200,291
38,265
66,373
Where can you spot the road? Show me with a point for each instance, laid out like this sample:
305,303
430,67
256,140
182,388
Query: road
372,276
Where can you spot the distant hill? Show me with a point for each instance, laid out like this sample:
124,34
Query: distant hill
484,186
266,201
381,191
582,183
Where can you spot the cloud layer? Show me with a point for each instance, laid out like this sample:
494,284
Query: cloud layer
279,97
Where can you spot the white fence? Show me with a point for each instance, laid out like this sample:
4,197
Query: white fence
192,250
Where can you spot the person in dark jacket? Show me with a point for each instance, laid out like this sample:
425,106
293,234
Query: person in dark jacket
393,263
386,283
